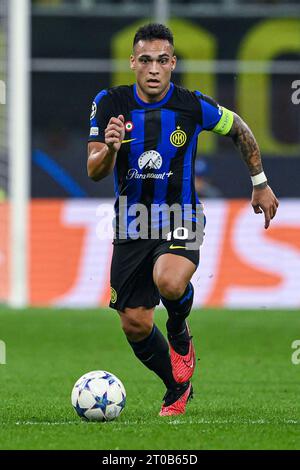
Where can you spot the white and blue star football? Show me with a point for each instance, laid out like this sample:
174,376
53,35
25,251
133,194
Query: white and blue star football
98,396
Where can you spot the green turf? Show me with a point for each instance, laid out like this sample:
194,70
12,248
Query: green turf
246,387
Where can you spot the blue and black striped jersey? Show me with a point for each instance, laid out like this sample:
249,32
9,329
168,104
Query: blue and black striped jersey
155,164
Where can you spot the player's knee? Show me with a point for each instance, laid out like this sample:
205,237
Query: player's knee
135,329
170,286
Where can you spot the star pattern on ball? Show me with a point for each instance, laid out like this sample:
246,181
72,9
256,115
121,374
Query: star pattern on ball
102,402
122,403
80,411
85,384
106,376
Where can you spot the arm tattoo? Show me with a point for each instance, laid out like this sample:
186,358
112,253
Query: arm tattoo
246,143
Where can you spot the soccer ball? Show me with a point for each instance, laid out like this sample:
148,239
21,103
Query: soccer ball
98,396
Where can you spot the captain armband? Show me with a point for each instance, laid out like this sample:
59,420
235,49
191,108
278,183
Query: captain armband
225,123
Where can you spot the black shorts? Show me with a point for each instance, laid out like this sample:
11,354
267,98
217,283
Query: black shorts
132,265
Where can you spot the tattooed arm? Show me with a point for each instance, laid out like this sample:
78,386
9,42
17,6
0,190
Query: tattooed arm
263,198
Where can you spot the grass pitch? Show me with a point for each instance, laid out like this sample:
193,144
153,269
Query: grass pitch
246,387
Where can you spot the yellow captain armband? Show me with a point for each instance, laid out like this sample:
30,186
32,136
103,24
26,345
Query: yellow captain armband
225,123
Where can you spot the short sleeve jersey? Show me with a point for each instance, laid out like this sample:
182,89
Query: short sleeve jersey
155,164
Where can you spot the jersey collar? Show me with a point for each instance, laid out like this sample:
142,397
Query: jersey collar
157,104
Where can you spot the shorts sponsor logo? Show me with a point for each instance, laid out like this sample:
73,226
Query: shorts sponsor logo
113,295
178,138
94,131
94,110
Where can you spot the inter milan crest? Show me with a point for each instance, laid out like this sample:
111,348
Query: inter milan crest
113,295
178,137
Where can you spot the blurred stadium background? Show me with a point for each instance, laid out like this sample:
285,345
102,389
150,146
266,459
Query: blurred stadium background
244,53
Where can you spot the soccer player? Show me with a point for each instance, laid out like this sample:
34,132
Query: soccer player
147,134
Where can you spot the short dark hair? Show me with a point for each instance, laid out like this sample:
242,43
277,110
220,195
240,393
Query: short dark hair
152,31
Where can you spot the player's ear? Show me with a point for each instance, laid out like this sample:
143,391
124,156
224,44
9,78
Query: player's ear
173,62
132,62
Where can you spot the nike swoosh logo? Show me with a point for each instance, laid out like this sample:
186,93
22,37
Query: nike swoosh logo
146,360
129,140
189,363
173,247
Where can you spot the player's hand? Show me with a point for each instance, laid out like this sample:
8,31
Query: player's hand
264,200
115,132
